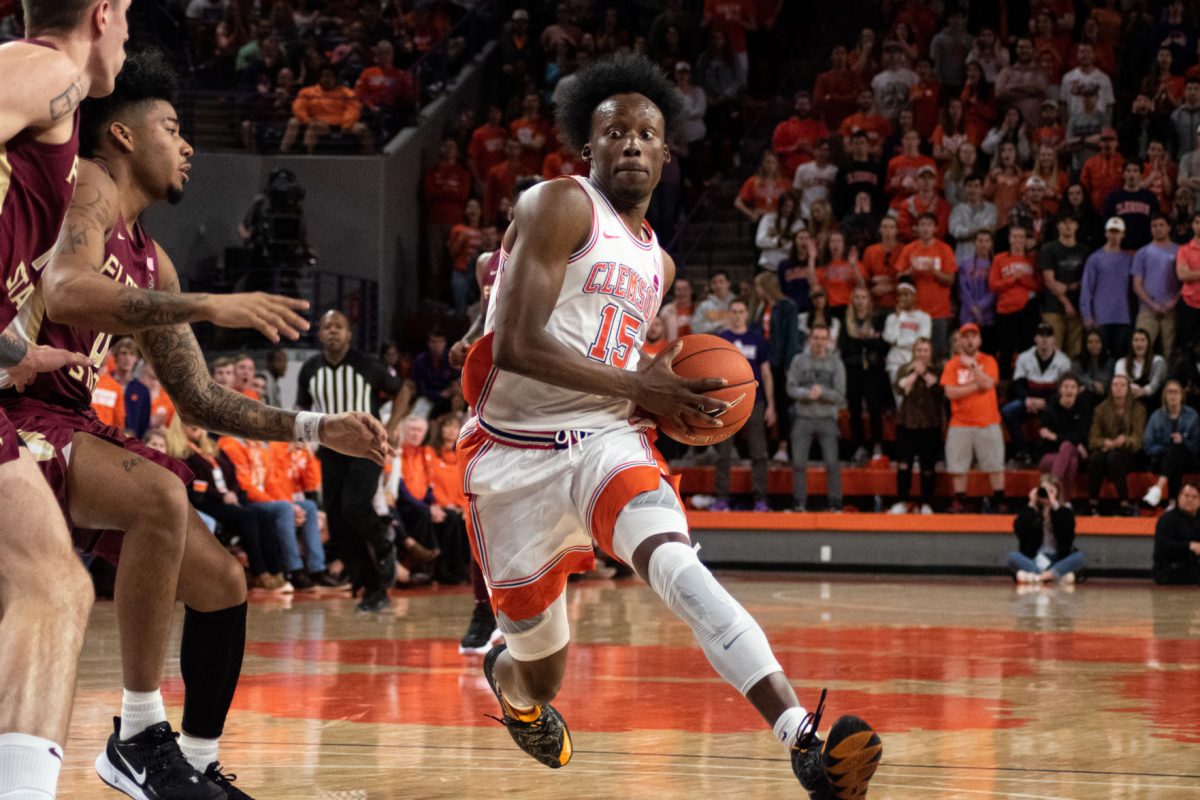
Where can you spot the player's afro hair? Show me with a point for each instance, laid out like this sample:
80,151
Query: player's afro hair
605,77
147,76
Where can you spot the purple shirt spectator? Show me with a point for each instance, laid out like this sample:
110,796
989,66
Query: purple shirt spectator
1155,264
756,350
1104,297
976,302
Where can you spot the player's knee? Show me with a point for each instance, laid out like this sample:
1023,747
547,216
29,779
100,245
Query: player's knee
231,578
58,588
164,513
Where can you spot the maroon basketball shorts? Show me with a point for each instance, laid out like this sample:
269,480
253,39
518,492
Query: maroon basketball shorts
10,443
48,431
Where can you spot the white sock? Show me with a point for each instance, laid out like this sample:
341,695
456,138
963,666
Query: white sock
139,711
28,767
787,727
199,752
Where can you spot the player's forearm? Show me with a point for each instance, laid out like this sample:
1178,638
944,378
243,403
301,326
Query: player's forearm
96,302
180,367
12,350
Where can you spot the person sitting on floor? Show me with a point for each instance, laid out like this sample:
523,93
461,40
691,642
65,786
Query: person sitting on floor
1045,530
1177,541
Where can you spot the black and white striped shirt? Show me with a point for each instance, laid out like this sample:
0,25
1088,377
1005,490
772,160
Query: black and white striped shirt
358,383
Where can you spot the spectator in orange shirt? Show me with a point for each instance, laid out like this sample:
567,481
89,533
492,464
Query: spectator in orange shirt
387,92
444,188
1015,280
761,191
979,103
501,183
1050,131
876,126
931,265
969,381
563,161
108,401
879,264
465,240
431,530
839,275
797,136
162,410
324,109
1005,181
835,92
243,375
925,200
532,132
902,170
1102,173
656,337
486,148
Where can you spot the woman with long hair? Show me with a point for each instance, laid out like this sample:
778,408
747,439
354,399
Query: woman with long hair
1010,130
1171,442
760,192
1046,167
839,274
979,103
1045,531
819,314
1145,370
441,460
863,352
776,230
821,223
1115,441
1159,174
950,133
779,320
798,272
1163,87
964,163
918,425
1075,203
1003,184
1094,366
864,58
905,121
1183,208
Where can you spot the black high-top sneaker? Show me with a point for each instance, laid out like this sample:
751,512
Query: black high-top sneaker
840,768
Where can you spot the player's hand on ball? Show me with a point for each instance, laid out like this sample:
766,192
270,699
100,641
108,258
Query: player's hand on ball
43,359
356,434
269,314
662,392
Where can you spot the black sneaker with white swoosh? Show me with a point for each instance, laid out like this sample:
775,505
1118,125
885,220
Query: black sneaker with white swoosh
150,766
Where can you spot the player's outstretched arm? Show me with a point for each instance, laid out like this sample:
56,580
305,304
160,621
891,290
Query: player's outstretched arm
44,88
179,364
78,293
550,223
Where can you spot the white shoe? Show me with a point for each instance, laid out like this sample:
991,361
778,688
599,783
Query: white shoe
899,508
1067,579
925,509
781,457
1153,496
1026,577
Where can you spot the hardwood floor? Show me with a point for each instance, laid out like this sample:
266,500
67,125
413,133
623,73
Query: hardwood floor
979,691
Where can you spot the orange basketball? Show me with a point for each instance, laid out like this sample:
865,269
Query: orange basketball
705,356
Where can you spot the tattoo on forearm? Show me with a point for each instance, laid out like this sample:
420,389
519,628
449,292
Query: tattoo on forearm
176,357
12,350
141,308
68,101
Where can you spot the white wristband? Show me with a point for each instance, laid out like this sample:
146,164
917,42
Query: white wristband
308,427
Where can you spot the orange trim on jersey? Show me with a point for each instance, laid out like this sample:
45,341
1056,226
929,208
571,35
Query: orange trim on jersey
616,494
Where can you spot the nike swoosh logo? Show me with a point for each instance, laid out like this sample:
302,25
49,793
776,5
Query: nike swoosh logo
140,777
723,411
731,641
119,236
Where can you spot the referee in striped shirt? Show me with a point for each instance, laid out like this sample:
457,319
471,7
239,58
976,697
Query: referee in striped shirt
342,379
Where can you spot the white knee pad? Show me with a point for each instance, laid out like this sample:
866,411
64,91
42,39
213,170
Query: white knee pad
539,636
733,642
648,514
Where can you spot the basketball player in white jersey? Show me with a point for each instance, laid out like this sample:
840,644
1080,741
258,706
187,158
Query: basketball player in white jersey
556,459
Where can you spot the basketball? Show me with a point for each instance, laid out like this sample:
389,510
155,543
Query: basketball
706,356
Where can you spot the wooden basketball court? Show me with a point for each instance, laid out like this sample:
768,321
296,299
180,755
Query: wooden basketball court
980,691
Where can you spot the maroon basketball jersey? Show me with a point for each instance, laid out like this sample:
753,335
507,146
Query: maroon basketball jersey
129,258
37,182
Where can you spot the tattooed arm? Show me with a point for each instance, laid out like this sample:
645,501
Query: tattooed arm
179,364
12,350
41,90
78,293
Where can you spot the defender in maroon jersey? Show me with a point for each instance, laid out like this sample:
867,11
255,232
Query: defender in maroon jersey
125,502
45,594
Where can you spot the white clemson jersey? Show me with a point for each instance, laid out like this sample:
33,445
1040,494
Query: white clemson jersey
612,289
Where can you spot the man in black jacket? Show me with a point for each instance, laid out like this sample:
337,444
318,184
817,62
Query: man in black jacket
1177,541
1045,531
